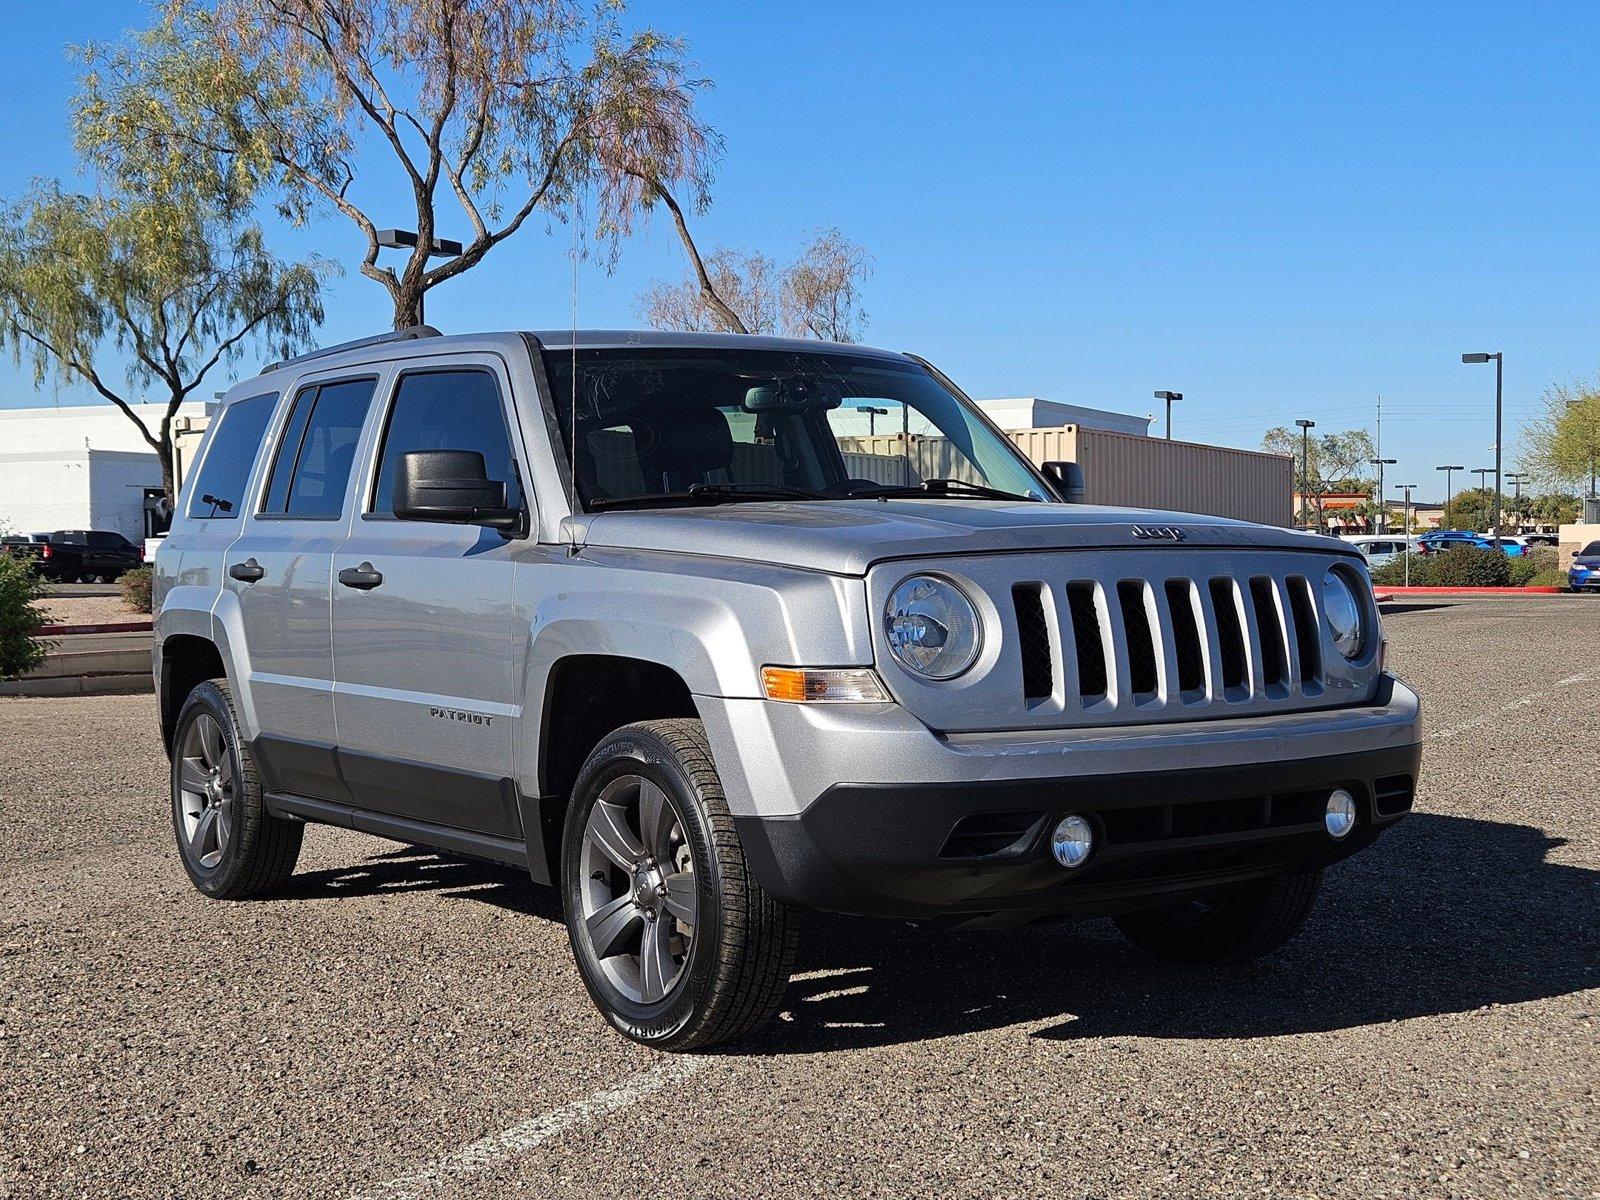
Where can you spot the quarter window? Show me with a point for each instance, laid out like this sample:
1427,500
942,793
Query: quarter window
217,492
318,449
446,410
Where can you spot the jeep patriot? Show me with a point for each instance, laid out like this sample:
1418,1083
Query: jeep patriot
703,630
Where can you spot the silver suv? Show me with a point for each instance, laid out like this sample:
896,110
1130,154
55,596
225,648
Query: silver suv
705,630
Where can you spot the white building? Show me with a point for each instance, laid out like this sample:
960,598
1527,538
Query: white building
1030,412
80,467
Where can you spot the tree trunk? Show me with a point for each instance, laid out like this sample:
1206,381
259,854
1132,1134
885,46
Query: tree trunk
407,307
169,485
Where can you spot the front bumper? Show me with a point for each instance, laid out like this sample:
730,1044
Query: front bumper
844,811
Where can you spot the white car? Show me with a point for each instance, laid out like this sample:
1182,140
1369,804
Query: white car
1383,548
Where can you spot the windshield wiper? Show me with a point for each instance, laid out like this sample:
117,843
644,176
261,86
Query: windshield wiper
709,493
938,487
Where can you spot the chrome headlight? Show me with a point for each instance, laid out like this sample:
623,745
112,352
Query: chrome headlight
1341,608
932,627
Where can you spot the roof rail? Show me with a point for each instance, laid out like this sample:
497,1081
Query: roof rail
377,339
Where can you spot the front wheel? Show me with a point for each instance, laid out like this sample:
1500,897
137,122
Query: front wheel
1240,924
678,946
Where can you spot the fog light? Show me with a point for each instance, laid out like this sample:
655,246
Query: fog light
1072,841
1340,818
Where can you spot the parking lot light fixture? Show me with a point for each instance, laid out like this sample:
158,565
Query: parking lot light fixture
1405,517
1499,424
1449,474
405,239
1169,397
1305,467
1380,519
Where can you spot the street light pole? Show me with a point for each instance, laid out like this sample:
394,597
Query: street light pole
1169,397
872,418
1380,519
1449,494
1499,425
1305,467
405,239
1405,515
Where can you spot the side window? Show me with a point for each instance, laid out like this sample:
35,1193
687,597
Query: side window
446,410
318,449
217,492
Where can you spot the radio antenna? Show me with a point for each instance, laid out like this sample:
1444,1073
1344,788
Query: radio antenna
572,428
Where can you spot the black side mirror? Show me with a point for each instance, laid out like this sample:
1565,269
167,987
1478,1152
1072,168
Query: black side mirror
1067,479
451,487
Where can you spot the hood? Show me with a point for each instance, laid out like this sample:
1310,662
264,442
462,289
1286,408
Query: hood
848,536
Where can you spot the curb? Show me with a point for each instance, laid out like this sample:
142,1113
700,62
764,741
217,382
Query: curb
103,627
79,685
1488,593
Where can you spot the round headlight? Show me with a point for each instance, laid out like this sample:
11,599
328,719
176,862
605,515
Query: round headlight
932,628
1342,610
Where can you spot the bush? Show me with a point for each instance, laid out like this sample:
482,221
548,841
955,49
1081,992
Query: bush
1467,566
1549,578
1540,561
19,614
1393,574
136,589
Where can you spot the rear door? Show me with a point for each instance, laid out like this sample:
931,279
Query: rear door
427,648
279,574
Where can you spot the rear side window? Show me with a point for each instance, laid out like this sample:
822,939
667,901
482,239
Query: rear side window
318,449
446,410
217,492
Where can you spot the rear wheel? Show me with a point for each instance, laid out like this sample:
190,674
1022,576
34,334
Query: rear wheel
678,946
1240,924
231,846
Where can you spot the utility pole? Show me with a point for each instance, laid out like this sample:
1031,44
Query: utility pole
1305,467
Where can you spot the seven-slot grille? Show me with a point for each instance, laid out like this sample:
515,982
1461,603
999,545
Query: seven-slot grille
1197,641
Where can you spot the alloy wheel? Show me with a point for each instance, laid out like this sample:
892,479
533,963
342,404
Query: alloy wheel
205,791
638,895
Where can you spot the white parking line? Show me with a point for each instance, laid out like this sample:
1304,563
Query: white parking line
1524,702
519,1139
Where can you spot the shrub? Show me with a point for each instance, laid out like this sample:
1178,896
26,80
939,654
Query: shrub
136,589
1540,561
19,614
1467,566
1393,574
1549,578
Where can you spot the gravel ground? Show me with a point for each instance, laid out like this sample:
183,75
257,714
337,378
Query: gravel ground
1435,1031
87,610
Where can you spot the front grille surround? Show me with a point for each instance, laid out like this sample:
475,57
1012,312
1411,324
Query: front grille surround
1123,637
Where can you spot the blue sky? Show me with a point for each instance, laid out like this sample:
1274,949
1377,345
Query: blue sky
1279,210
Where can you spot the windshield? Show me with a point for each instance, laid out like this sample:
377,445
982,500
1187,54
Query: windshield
710,425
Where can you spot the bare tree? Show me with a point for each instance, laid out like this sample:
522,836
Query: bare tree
507,106
738,291
822,289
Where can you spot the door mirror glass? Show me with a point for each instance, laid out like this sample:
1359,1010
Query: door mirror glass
1067,479
451,487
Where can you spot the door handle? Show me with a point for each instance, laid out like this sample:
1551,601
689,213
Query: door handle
365,577
248,571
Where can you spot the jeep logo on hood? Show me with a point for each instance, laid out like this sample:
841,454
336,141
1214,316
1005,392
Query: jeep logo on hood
1163,533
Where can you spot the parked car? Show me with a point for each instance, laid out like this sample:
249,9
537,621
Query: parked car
1541,539
1382,548
644,614
1584,574
1439,542
77,555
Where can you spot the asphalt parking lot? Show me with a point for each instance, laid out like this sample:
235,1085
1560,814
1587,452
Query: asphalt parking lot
398,1024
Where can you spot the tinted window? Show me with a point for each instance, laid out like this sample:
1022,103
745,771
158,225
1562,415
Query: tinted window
446,410
318,449
218,490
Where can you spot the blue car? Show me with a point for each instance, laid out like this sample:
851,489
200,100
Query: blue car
1438,543
1584,574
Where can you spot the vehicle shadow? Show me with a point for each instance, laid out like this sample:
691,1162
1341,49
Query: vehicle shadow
1444,914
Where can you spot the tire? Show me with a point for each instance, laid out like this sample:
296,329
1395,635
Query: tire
244,850
1244,923
660,979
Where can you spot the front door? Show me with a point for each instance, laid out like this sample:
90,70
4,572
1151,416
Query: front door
427,647
277,574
